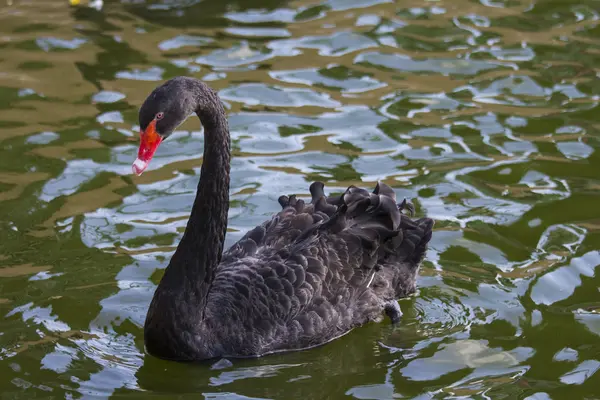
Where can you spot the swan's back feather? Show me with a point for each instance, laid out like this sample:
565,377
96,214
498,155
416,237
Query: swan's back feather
314,271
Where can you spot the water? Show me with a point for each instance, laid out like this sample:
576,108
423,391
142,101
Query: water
485,113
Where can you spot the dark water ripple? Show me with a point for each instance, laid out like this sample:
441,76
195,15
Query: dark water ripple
484,113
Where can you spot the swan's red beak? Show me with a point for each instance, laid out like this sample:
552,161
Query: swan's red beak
150,140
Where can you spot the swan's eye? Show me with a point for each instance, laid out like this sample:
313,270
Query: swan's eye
160,115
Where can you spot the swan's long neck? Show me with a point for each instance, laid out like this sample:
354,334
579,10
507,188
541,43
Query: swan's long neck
178,307
192,267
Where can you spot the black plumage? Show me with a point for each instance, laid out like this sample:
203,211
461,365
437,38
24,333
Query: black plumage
308,275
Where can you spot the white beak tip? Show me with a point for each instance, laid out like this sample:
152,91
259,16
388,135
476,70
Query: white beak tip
139,166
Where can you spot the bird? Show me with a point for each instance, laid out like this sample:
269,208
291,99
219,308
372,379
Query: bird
308,275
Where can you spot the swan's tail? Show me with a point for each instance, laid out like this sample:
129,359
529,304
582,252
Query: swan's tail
378,230
370,229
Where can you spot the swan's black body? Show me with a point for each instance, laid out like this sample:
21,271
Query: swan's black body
308,275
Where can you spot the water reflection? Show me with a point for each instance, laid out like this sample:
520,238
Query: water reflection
484,113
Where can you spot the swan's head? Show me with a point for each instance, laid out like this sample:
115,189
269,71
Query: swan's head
167,107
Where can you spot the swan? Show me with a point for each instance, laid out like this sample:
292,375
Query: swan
305,277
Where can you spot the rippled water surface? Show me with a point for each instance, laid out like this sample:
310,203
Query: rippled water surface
484,113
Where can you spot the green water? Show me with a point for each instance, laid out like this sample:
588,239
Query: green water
485,113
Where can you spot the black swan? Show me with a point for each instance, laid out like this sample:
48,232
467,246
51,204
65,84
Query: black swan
307,276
